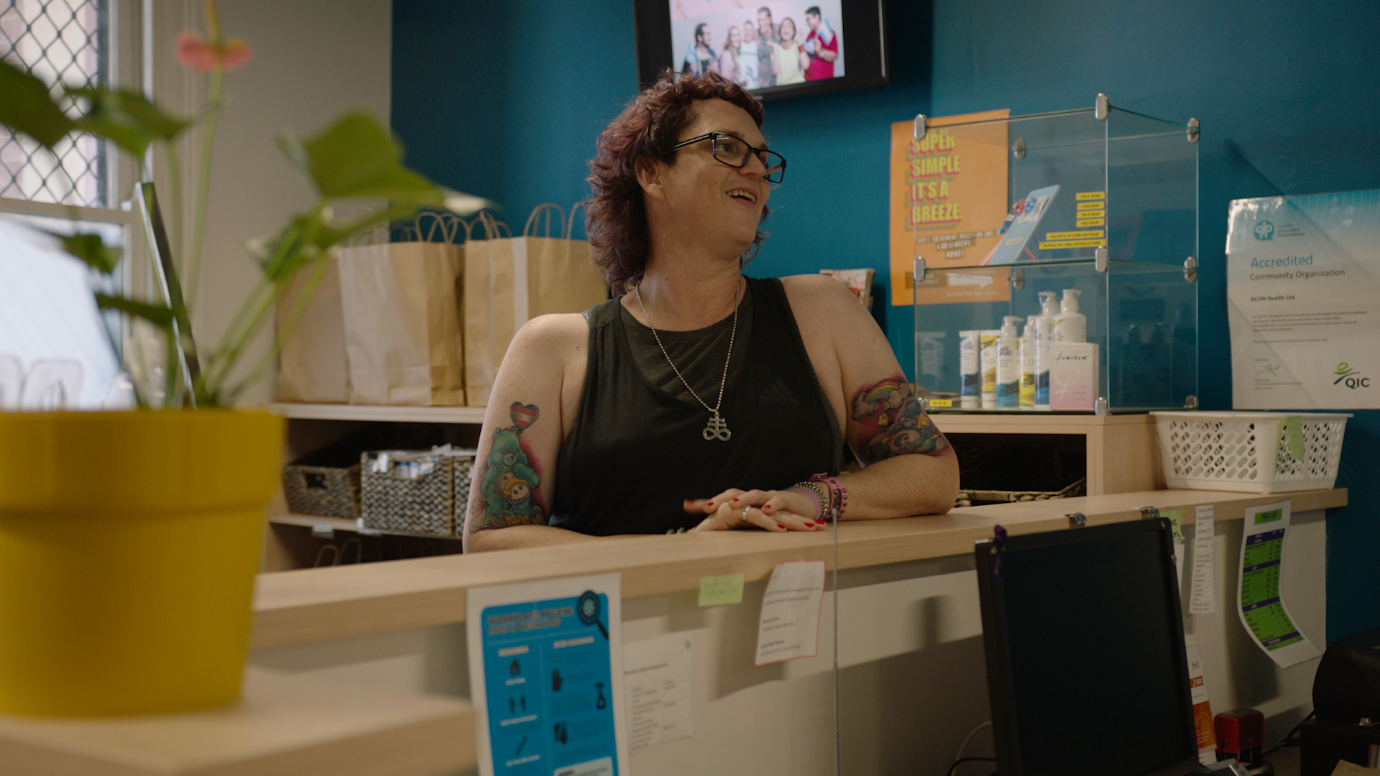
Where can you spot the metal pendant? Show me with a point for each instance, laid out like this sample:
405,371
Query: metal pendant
717,429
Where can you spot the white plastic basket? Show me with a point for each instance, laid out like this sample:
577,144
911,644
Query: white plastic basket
1248,451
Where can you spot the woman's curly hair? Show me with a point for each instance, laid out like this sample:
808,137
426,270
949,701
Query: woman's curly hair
615,215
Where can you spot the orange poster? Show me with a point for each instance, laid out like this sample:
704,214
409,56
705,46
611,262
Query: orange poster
948,198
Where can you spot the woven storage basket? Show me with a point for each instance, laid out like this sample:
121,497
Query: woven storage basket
463,472
1248,451
323,485
408,491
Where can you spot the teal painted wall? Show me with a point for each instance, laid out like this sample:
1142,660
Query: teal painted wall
506,99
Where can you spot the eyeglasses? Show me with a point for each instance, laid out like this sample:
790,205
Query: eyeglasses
735,152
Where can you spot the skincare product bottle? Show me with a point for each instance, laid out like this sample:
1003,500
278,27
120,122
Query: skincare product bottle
1071,325
1008,364
969,373
987,359
1027,392
1044,335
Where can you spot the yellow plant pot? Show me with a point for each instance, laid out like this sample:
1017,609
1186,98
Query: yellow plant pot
129,543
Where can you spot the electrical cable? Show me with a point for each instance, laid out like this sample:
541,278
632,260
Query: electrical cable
966,741
962,760
1289,741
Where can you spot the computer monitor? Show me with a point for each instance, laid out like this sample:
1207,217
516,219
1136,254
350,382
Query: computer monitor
1086,666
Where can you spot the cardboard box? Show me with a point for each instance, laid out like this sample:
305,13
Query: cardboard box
1073,376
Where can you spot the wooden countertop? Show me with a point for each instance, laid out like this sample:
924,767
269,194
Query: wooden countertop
299,607
282,726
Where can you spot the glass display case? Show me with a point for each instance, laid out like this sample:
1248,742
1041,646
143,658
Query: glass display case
1101,215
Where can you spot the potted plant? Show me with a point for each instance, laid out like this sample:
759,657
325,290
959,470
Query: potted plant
129,541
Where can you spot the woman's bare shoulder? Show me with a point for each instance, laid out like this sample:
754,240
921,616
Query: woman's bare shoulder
554,333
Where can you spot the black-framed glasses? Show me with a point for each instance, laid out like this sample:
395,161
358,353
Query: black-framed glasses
735,152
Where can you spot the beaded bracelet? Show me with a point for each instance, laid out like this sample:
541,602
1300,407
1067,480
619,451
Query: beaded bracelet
838,494
817,494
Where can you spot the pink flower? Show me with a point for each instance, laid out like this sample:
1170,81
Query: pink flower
204,56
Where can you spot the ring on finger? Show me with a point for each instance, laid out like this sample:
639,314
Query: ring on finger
744,515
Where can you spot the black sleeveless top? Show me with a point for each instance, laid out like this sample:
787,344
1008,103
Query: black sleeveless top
636,452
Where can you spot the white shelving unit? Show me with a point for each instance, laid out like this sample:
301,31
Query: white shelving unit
293,540
464,415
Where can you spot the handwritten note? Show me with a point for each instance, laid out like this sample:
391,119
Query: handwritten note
789,626
657,676
717,591
1203,598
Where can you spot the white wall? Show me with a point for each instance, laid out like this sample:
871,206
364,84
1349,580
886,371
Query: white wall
313,60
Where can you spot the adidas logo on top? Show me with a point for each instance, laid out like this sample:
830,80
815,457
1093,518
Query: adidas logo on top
778,393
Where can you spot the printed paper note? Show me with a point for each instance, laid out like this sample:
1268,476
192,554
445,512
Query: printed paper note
1202,708
789,626
1203,598
656,674
1258,599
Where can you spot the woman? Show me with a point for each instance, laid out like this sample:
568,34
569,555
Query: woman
727,65
697,399
786,56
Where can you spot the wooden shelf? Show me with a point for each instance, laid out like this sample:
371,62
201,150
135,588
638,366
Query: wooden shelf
1122,450
312,521
387,414
352,526
282,726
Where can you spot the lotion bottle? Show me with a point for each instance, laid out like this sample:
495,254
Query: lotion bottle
1071,325
987,356
1027,392
1044,335
1008,364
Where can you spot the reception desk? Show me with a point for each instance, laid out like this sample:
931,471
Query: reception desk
904,630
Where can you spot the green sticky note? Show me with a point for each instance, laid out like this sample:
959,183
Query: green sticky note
717,591
1293,434
1176,523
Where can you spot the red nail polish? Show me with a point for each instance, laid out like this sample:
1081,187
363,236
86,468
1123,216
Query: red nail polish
710,504
820,522
782,527
736,500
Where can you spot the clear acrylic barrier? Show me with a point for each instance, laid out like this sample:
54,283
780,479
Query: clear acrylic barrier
1121,228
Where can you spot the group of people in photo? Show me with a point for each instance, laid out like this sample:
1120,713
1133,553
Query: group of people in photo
765,52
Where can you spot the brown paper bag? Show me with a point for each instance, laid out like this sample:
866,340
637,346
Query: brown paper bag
512,280
311,364
401,310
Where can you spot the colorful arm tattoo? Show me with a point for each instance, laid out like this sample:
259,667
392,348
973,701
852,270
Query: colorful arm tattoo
507,494
892,422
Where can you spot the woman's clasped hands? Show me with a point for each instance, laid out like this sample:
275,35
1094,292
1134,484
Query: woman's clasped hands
772,510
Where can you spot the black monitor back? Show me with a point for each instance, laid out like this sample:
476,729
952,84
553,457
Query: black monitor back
1086,666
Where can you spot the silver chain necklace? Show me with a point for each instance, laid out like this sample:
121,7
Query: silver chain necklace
717,428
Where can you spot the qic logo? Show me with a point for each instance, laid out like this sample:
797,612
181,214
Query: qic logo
1264,230
1350,377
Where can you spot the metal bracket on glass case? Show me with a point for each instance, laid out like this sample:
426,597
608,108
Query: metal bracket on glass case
1191,269
1100,259
919,130
1018,148
1191,403
1018,279
1193,126
919,270
1100,406
1101,106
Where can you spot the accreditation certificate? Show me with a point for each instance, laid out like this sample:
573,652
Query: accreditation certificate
1303,298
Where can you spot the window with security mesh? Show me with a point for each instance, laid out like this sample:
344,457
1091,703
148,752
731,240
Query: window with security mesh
67,42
